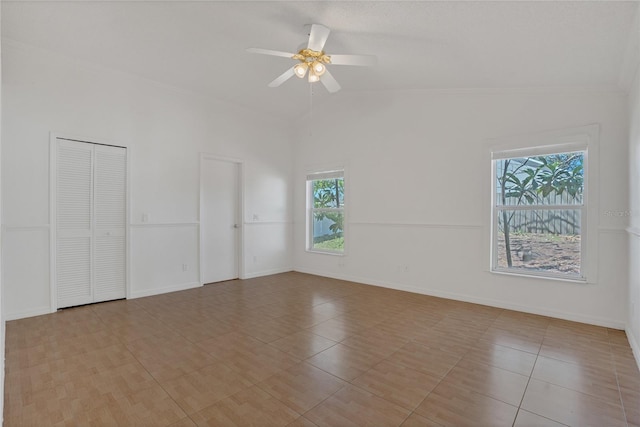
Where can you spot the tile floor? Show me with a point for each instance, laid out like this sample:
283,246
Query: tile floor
301,350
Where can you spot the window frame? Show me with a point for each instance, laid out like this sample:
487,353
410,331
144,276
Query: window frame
583,139
311,210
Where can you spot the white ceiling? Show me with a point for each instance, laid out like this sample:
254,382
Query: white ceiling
200,46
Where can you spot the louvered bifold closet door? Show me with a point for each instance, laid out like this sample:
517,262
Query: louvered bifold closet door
74,218
110,217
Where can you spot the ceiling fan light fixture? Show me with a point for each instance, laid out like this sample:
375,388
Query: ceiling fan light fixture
318,68
301,69
313,77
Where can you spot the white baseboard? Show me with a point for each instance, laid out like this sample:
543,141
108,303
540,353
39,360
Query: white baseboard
574,317
28,313
267,272
166,289
634,344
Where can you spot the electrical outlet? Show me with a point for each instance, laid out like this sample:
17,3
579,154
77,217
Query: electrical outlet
145,217
185,267
255,259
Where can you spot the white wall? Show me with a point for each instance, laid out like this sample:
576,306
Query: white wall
165,130
633,321
417,194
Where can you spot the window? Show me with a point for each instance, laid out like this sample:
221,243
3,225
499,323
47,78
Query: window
538,211
325,222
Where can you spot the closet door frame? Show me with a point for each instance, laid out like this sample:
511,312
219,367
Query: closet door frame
53,141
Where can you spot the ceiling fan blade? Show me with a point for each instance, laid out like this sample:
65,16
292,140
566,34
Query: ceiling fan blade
318,37
270,52
330,82
282,78
361,60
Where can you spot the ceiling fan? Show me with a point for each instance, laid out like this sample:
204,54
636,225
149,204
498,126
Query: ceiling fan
312,60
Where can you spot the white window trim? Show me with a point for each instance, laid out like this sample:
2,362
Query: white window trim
585,138
324,173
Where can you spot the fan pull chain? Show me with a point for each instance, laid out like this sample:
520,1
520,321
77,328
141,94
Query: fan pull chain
310,109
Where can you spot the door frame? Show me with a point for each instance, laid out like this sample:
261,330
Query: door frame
53,137
240,212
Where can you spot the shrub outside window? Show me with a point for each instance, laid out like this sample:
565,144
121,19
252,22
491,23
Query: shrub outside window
325,223
538,212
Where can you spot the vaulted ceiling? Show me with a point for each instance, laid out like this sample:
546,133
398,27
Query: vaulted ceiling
201,46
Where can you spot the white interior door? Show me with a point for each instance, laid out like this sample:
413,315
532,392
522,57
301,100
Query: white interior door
109,249
219,219
90,221
74,223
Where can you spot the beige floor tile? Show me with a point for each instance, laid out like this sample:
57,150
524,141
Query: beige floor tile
595,382
164,369
618,337
406,327
292,386
260,363
195,391
416,420
124,379
424,359
269,330
135,331
63,347
335,329
305,319
453,406
185,422
461,324
453,342
147,407
528,419
488,380
225,346
631,403
352,406
628,377
502,357
96,402
250,407
398,384
524,340
375,341
302,422
303,344
205,330
570,407
362,318
565,329
43,407
344,362
102,359
513,319
579,354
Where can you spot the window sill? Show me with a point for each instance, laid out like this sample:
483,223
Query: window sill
316,251
576,280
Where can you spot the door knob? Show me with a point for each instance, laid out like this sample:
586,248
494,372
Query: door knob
236,226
